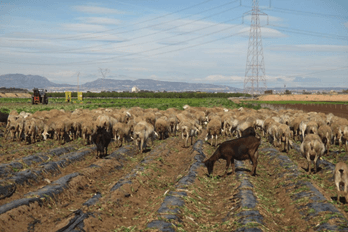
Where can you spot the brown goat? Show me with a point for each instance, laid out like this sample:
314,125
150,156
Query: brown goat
240,149
341,178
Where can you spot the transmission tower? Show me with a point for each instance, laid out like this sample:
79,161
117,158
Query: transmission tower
255,66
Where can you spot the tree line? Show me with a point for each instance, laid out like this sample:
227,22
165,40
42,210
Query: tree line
153,95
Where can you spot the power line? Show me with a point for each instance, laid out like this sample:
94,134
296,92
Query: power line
106,60
304,12
289,11
312,33
143,36
321,71
132,24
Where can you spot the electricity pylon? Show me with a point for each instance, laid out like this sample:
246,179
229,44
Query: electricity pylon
255,65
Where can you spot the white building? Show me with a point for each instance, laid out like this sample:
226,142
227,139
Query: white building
135,89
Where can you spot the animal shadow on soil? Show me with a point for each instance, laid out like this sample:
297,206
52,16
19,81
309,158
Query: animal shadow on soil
230,173
342,199
312,169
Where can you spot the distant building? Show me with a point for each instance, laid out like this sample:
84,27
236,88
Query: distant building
135,89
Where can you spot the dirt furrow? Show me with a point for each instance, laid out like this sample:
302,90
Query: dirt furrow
174,199
130,196
9,168
310,202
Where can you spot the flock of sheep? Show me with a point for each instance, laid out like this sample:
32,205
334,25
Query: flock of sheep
317,131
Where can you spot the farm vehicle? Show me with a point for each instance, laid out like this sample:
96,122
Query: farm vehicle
39,96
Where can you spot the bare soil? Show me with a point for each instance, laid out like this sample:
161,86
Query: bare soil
211,204
340,110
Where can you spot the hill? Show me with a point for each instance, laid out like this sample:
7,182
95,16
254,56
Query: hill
34,81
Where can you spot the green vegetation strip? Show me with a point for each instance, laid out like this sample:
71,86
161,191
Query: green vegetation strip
159,103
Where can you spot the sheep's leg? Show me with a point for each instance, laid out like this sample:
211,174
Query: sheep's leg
345,191
316,163
228,161
186,140
216,138
191,140
141,145
308,163
338,192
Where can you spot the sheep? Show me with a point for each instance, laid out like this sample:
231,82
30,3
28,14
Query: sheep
200,116
272,134
282,135
15,126
88,128
325,134
302,128
162,127
241,127
312,148
311,128
259,124
188,130
238,149
33,128
150,117
173,124
213,129
104,121
142,132
344,137
341,178
295,126
266,124
122,131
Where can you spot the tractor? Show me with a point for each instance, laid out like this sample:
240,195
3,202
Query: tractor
39,96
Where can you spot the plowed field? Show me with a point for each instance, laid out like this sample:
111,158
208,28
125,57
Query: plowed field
340,110
49,187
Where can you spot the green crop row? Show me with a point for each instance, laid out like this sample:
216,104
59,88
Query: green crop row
159,103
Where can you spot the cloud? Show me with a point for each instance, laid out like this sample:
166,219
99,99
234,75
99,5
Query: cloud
265,32
221,78
99,20
346,24
97,10
83,27
307,79
309,47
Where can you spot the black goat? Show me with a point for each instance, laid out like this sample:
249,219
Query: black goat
101,138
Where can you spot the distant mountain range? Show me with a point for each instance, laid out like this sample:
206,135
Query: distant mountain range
34,81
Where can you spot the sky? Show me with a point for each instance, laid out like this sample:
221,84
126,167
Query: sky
305,42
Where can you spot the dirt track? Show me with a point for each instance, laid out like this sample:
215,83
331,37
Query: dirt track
163,188
340,110
305,97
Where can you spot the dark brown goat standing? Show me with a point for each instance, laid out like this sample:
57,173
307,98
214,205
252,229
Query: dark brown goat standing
101,138
240,149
